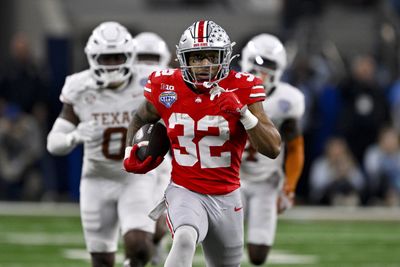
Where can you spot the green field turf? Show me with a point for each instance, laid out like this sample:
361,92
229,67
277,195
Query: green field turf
57,242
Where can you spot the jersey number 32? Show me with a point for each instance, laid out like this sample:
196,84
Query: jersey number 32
201,151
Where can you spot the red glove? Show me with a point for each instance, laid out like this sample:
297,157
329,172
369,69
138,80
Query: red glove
133,164
227,101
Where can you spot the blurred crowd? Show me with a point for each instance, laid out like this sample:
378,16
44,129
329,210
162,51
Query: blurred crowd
351,125
25,166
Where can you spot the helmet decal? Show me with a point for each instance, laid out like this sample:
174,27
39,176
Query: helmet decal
201,31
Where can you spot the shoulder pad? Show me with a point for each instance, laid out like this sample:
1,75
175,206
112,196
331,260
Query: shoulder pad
75,85
145,70
246,79
162,75
294,92
296,98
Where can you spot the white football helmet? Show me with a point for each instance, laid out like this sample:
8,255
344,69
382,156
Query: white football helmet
265,53
110,38
205,35
151,44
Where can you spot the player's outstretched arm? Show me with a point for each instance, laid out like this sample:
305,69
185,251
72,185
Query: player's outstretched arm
68,132
264,136
294,162
294,158
60,138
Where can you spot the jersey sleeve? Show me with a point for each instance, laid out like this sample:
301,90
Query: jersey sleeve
68,94
257,93
297,103
250,88
150,88
75,85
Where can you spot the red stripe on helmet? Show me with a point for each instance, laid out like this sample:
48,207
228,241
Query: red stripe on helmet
200,33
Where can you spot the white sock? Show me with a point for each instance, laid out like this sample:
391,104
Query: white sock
183,247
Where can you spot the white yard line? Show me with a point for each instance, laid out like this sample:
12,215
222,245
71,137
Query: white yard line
44,238
39,209
297,213
276,257
308,213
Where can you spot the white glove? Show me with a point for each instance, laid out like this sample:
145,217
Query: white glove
87,131
285,201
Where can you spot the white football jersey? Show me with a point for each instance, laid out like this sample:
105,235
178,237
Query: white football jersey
143,71
286,102
112,110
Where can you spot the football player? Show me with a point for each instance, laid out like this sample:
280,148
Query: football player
262,178
209,110
98,104
151,50
152,54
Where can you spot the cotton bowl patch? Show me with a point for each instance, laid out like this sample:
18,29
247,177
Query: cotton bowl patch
168,98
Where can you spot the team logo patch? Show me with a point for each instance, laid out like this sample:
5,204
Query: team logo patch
168,98
89,98
168,87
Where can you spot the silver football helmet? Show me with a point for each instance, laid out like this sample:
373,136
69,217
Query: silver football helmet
110,38
151,45
264,53
204,36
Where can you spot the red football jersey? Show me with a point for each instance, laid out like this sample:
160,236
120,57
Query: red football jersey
206,144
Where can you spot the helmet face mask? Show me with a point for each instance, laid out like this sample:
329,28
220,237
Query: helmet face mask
110,51
265,56
203,65
202,38
148,59
111,59
265,69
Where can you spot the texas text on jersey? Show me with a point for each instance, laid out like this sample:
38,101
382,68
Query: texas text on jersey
213,166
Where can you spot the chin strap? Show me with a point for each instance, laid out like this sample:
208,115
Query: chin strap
209,85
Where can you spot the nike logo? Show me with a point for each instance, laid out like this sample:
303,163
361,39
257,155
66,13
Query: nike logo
237,208
231,90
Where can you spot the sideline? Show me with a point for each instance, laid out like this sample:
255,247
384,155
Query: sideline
297,213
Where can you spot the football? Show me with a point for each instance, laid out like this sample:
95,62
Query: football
152,140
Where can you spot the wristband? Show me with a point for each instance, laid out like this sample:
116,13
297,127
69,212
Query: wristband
248,120
127,152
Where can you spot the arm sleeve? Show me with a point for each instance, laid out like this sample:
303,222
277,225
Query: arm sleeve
257,94
250,92
294,162
60,139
